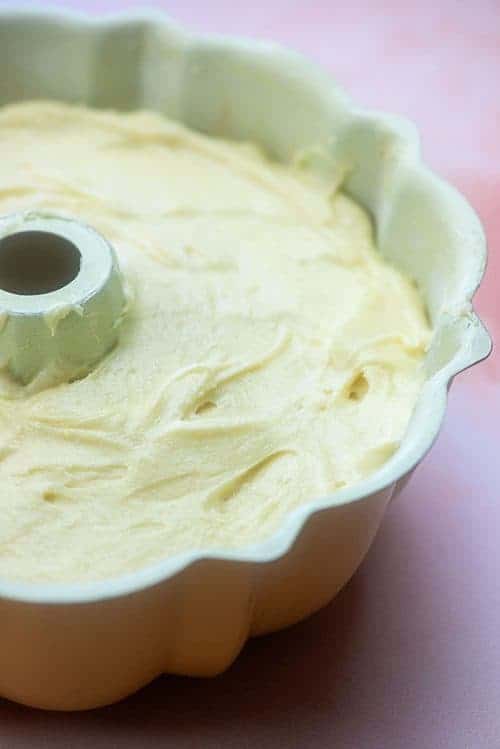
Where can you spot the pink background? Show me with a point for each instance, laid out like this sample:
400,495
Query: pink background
408,655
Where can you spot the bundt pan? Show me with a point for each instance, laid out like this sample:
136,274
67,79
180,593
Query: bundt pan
76,646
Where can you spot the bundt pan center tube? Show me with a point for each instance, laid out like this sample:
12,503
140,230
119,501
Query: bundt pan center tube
81,645
61,297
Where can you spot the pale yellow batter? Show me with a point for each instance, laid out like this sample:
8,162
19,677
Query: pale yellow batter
269,356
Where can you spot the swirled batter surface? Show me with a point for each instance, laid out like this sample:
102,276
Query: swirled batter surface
269,356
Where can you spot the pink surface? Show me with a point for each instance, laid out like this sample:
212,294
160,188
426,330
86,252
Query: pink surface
408,656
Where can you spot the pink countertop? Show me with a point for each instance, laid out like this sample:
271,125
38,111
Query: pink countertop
408,655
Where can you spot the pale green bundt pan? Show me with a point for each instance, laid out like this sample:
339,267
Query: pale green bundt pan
68,646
